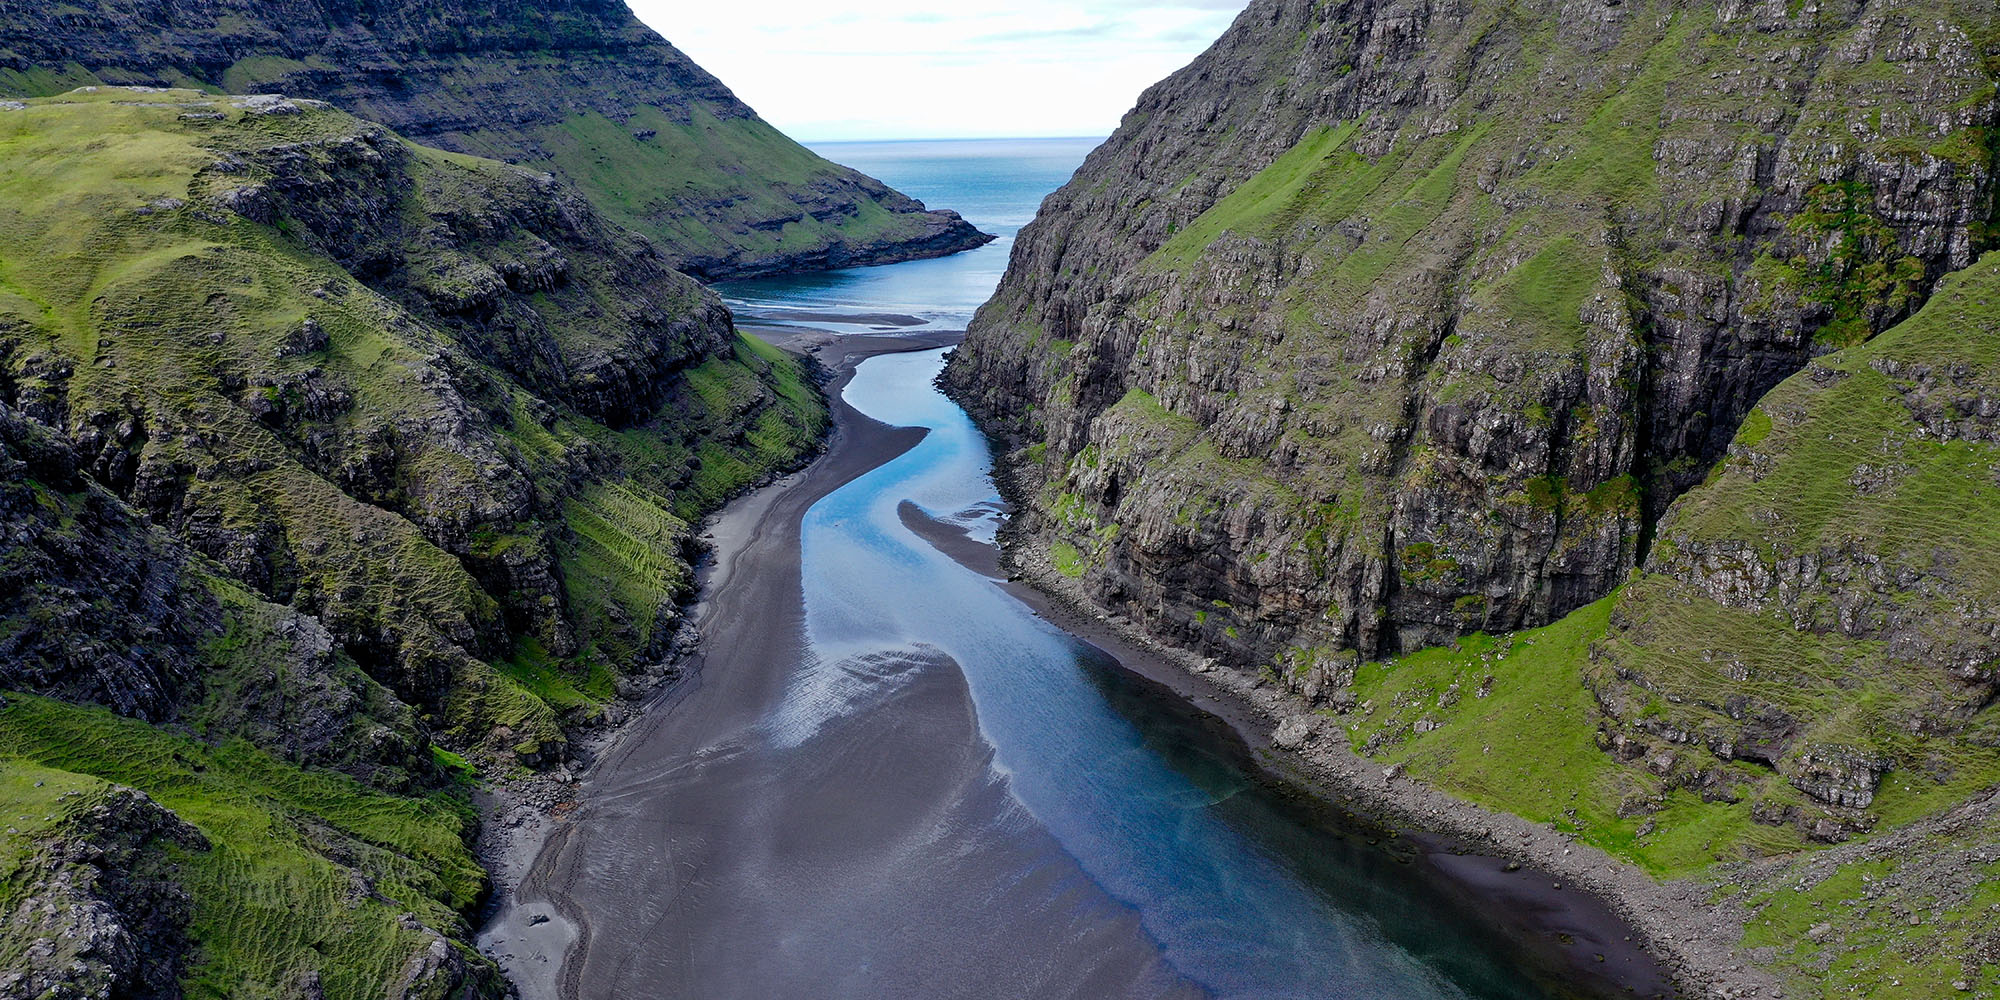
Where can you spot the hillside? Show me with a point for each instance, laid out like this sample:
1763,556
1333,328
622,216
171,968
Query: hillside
1370,329
576,87
1511,384
324,450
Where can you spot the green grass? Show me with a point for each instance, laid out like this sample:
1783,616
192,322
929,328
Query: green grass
1865,938
31,809
1068,560
685,184
1272,198
274,897
1547,291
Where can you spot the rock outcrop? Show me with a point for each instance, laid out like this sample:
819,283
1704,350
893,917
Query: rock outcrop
579,87
95,911
1383,323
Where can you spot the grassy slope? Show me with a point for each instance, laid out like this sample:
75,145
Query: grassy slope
567,87
156,277
1531,742
689,184
276,896
113,266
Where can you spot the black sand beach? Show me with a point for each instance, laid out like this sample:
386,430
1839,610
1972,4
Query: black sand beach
693,784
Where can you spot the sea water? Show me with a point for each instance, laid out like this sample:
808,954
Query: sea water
995,183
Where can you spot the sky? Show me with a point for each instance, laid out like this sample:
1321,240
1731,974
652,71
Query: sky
918,69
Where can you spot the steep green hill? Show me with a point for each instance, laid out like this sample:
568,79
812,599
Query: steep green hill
321,445
1372,328
1810,656
579,87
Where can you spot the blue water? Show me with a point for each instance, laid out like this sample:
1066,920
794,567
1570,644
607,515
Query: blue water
995,183
1247,888
1227,914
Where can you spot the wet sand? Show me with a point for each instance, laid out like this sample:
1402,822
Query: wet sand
886,838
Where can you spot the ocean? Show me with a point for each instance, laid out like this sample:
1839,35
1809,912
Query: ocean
995,183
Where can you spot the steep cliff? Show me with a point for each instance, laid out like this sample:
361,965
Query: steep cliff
1587,408
1386,322
316,446
579,87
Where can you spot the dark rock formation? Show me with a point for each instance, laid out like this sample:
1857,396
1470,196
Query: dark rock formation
102,607
577,86
1386,322
97,913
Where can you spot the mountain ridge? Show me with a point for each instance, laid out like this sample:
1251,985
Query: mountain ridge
580,87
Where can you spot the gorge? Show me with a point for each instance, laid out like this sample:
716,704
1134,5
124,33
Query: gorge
1551,443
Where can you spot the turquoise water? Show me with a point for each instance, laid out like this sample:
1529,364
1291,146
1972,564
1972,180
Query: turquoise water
995,183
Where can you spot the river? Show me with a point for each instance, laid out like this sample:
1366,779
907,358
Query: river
889,777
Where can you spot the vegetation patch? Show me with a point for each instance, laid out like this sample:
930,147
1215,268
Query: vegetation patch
307,872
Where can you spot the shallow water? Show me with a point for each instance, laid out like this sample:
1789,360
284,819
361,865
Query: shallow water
1245,891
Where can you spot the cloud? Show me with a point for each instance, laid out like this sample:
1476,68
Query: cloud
912,69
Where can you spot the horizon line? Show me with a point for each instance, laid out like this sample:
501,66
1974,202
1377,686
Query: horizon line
959,138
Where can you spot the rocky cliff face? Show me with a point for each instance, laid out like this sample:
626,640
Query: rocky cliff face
103,608
318,445
1383,323
580,87
435,403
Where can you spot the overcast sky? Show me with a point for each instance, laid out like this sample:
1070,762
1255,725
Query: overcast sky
907,69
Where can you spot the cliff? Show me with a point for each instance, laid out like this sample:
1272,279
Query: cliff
577,87
1579,407
1384,323
320,446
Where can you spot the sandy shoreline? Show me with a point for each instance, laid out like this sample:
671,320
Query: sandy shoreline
528,934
